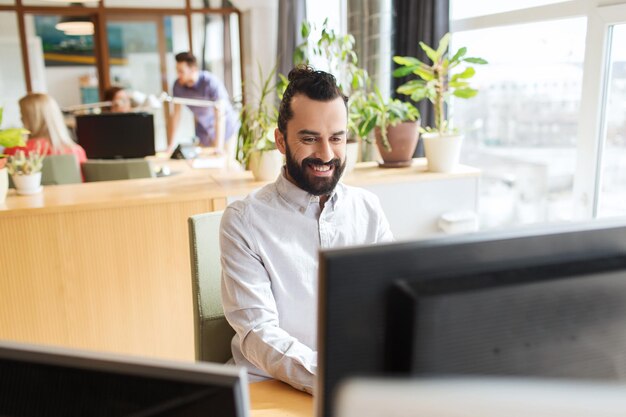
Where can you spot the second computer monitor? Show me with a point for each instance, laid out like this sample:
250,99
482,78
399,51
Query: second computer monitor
116,135
53,381
536,302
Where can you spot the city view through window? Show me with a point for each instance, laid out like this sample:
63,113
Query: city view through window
521,129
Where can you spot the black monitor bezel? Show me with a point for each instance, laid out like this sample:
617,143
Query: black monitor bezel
202,373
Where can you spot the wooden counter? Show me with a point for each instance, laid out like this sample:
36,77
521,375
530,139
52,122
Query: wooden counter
105,266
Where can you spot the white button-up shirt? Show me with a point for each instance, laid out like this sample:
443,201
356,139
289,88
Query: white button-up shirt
269,245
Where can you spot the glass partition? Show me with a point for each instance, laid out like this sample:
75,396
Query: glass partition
62,65
141,55
12,82
217,47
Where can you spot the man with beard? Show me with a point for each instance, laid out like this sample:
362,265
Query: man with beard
270,240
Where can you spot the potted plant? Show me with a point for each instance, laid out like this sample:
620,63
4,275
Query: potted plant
25,170
337,53
256,148
443,78
8,139
396,128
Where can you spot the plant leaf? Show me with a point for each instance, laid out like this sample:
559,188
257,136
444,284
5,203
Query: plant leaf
465,92
404,71
430,52
467,73
443,45
407,60
474,60
461,52
305,29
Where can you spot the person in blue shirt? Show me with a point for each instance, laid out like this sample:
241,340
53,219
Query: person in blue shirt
202,85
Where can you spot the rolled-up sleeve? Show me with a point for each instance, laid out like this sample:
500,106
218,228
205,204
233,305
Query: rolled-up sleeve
250,307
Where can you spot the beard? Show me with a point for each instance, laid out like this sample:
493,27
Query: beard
313,185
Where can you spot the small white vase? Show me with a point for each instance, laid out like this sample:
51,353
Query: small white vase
27,184
442,151
4,184
352,155
266,165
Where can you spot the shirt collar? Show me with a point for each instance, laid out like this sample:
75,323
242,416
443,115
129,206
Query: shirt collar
301,199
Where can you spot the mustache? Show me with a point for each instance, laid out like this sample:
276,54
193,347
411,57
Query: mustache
335,162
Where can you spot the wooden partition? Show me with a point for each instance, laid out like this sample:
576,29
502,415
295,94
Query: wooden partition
105,266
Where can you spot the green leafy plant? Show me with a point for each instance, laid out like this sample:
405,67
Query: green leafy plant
258,120
13,136
25,164
438,80
381,113
337,53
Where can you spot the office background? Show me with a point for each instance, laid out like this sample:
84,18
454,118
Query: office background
547,128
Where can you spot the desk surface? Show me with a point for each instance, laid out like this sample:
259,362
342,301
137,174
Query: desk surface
276,399
190,184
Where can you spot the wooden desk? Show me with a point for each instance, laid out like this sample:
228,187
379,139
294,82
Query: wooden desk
277,399
105,266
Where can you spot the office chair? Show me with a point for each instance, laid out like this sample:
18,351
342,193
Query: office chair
116,169
57,170
60,169
212,333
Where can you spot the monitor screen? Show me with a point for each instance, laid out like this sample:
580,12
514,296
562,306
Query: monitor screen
116,135
37,380
535,302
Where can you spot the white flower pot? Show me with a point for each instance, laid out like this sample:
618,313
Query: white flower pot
442,151
27,184
352,155
4,185
266,165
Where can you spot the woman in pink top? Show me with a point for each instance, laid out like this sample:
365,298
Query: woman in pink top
42,116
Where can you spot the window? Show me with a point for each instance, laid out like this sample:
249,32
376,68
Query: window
547,125
521,129
612,198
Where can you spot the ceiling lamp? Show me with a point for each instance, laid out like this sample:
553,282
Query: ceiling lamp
75,25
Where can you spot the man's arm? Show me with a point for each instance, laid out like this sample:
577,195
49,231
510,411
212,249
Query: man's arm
173,126
250,308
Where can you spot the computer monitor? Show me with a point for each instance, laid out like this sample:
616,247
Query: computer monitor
535,302
116,135
39,380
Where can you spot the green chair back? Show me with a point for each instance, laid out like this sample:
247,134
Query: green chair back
60,169
212,332
116,169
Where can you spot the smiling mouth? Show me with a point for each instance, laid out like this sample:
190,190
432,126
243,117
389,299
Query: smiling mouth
321,170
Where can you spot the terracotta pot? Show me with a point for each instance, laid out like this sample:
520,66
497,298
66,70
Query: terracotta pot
403,140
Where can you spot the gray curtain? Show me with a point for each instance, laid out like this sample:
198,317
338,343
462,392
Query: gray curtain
291,14
415,21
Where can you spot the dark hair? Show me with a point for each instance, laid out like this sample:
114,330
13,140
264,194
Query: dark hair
110,92
188,58
316,85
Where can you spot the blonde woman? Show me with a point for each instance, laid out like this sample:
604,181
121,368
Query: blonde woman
42,116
